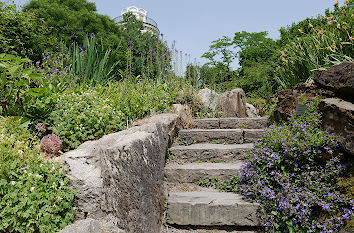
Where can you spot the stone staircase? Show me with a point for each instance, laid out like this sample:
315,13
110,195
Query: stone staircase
213,149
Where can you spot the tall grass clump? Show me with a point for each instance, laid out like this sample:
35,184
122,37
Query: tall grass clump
92,63
293,172
326,44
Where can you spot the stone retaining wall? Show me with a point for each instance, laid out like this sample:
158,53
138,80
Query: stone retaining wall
119,178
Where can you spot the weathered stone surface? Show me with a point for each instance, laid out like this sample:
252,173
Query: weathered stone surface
210,209
194,172
228,136
210,152
288,99
251,110
90,225
231,123
210,99
185,114
339,79
251,135
233,103
338,118
244,123
121,175
207,123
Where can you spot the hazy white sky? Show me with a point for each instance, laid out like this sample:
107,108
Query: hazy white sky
196,23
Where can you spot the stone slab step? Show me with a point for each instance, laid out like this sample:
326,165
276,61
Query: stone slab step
251,135
228,136
231,123
210,209
194,172
210,152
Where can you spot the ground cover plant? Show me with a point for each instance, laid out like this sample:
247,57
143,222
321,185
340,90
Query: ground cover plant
34,193
292,172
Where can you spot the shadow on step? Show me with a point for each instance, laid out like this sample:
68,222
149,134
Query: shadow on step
223,228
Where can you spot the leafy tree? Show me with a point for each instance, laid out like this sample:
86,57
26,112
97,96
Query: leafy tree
22,33
72,20
221,55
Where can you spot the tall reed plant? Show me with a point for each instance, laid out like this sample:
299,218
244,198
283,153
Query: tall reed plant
328,44
92,63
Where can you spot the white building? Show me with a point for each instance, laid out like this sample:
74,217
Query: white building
141,14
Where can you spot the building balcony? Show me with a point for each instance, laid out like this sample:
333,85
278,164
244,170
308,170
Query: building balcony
149,24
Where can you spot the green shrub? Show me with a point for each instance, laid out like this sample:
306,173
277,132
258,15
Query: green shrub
34,194
83,116
292,173
94,112
22,33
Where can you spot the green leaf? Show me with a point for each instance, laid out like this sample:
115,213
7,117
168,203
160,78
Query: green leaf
34,76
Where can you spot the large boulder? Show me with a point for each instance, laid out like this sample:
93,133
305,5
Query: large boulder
210,99
233,103
288,99
339,79
119,178
338,118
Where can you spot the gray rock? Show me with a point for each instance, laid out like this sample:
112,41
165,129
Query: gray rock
185,114
121,175
90,225
210,99
251,110
339,79
210,209
233,103
338,118
228,136
244,123
252,135
207,123
231,123
194,172
210,152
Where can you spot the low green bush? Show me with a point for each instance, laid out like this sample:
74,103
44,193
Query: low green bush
292,172
94,112
34,194
83,116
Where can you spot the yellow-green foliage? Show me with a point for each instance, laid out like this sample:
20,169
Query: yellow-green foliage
34,194
93,112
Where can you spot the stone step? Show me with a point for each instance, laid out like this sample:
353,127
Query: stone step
220,136
194,172
231,123
210,152
210,209
251,135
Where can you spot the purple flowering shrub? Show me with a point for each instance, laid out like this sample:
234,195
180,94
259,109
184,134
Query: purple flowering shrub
292,173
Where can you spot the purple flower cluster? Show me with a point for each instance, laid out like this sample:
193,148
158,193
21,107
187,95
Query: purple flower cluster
286,174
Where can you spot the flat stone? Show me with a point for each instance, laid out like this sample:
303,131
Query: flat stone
244,123
210,209
194,172
207,123
228,136
210,152
252,135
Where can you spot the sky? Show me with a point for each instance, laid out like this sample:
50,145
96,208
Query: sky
194,24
